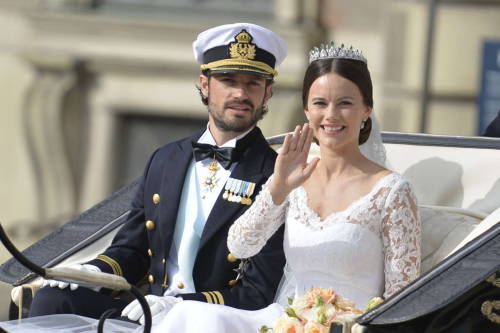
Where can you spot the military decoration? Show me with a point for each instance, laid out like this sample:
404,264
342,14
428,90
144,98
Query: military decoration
211,179
238,191
240,271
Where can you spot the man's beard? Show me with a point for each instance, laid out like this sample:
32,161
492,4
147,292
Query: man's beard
235,125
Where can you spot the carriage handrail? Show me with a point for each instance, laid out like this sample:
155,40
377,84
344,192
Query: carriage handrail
67,274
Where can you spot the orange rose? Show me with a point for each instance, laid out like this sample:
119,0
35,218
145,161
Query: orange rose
288,324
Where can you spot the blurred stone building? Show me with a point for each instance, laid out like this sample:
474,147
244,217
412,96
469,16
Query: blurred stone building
88,89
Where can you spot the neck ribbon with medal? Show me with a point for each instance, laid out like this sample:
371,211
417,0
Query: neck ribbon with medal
211,179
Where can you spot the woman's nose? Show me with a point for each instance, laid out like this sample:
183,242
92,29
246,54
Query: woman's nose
331,110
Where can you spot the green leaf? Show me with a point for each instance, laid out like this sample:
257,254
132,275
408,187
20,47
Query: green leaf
290,300
375,301
322,319
264,329
319,301
291,313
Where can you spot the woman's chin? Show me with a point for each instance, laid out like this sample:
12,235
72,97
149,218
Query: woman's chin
330,141
335,143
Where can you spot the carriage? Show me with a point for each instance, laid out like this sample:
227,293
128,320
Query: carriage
457,183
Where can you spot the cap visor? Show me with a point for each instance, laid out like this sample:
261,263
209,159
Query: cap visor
241,69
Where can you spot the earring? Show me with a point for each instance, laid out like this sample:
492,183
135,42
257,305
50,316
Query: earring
363,124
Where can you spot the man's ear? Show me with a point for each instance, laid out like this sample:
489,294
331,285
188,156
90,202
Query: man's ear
203,84
269,93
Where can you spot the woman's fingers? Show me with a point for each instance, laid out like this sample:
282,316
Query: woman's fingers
286,144
310,167
296,146
308,142
303,137
295,138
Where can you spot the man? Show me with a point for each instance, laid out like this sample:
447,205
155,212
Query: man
192,191
493,128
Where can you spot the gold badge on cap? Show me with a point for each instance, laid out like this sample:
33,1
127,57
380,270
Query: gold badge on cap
239,191
243,48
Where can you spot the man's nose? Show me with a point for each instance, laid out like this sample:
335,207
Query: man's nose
240,91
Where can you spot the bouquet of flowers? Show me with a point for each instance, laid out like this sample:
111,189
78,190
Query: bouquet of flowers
314,312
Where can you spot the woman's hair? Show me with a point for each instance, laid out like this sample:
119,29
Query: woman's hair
355,71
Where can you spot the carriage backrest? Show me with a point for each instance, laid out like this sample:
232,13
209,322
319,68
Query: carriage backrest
456,181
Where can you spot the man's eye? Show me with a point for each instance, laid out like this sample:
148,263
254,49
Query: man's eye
225,79
255,83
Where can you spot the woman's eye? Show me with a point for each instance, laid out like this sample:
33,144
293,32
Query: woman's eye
345,103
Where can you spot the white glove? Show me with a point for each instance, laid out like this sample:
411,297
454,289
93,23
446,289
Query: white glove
72,286
157,305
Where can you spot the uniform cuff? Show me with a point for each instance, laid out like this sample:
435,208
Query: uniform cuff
212,297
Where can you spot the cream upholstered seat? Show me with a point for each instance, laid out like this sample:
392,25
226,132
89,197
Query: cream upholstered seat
457,189
442,230
456,181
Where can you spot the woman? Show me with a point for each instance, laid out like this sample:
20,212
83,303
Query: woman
351,224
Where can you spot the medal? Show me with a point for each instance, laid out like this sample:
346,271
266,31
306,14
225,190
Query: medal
239,191
239,187
227,188
249,193
231,189
210,180
244,199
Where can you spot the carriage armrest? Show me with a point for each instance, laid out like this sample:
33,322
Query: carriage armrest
443,228
489,222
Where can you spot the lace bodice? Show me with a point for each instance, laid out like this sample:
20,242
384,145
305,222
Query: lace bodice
375,240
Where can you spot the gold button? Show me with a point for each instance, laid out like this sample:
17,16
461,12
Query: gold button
180,285
232,282
151,279
150,225
150,252
156,198
231,257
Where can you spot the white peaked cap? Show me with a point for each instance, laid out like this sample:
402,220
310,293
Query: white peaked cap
240,47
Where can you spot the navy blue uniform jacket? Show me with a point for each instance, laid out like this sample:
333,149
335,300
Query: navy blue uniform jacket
493,128
138,251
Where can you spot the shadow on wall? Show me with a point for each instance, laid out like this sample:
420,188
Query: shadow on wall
491,200
437,182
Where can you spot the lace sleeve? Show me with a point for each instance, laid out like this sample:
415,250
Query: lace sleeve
401,235
248,235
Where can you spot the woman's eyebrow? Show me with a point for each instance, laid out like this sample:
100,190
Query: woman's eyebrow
344,97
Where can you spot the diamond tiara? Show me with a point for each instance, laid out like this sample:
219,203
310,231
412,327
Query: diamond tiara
330,51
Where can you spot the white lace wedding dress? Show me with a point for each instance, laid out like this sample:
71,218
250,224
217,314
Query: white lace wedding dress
370,249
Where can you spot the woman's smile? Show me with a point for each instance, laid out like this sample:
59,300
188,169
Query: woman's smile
332,128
